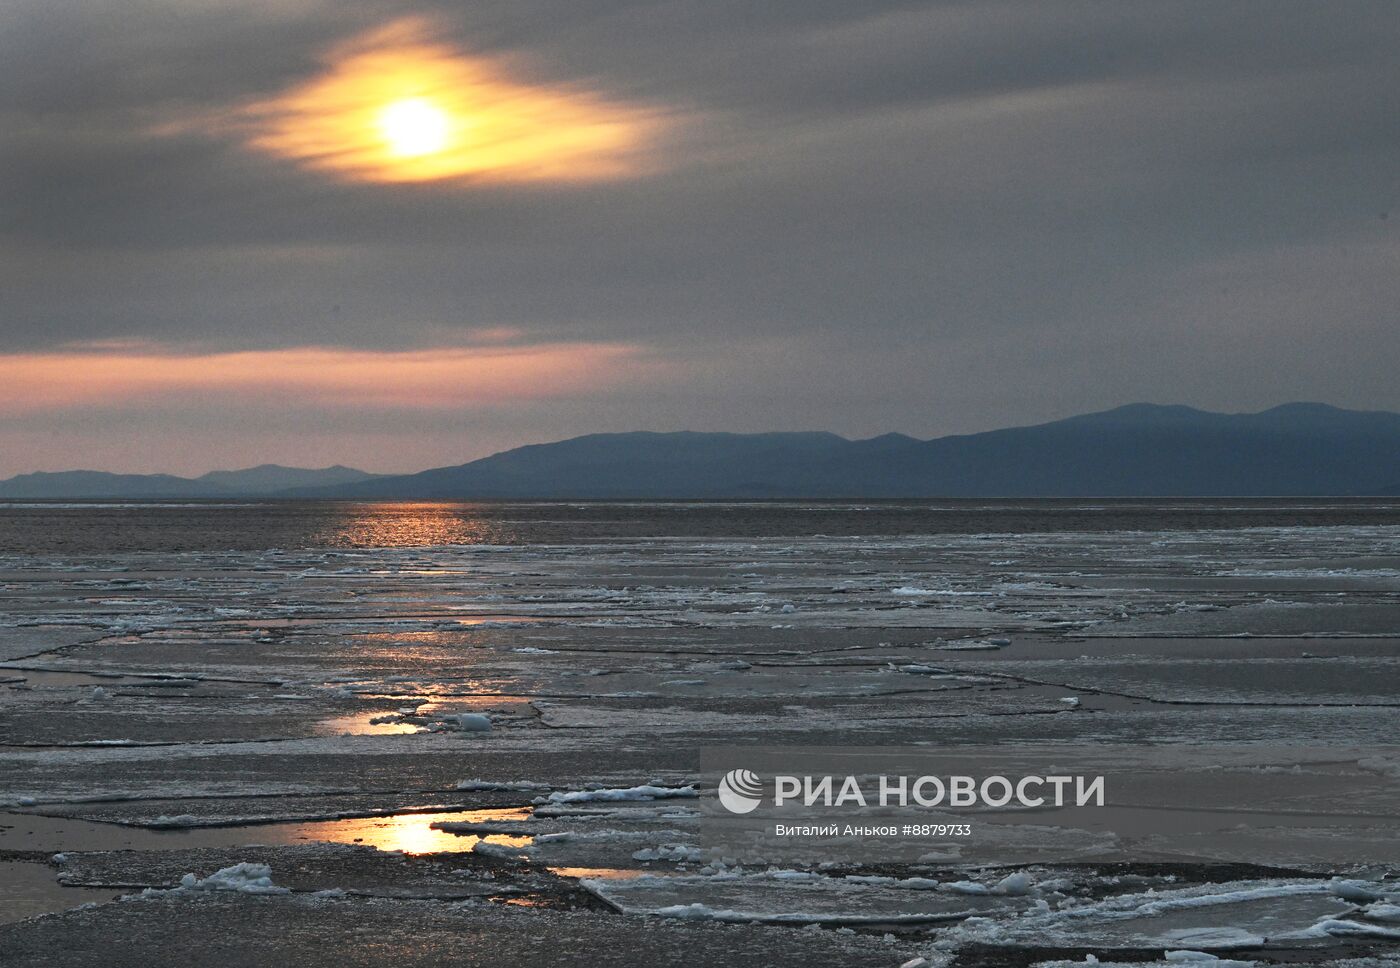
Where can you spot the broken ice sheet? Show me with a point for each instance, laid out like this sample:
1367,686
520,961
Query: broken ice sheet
795,897
637,651
266,930
1216,916
354,869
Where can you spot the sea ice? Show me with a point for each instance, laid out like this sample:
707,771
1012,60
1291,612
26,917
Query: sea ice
465,722
244,878
645,791
504,851
1381,911
1014,884
1204,959
490,785
680,853
178,820
1361,892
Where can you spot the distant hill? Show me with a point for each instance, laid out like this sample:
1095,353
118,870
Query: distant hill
266,478
1140,450
636,464
100,484
252,482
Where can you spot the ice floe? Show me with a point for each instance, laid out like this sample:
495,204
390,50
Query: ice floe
245,878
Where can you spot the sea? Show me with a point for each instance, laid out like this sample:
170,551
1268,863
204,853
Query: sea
505,717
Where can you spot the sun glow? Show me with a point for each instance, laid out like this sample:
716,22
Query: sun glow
400,105
440,378
414,127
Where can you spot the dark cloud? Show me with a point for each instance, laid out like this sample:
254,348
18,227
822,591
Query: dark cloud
913,215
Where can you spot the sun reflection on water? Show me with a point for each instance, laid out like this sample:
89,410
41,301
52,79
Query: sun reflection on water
416,525
414,833
363,724
598,873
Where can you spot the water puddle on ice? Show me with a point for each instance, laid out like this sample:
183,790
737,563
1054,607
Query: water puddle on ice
29,890
597,873
363,724
372,622
423,715
410,833
46,678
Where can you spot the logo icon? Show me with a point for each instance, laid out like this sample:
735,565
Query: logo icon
740,791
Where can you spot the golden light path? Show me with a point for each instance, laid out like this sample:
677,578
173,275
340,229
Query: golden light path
400,105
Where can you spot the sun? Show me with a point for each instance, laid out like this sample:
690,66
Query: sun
414,127
397,104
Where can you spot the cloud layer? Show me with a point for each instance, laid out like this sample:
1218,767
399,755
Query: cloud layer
437,378
923,216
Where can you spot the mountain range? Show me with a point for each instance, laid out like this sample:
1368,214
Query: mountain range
1140,450
261,481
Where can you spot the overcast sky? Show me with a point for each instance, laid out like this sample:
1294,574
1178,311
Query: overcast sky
798,214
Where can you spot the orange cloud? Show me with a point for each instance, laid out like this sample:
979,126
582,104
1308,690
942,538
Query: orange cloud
444,378
399,105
